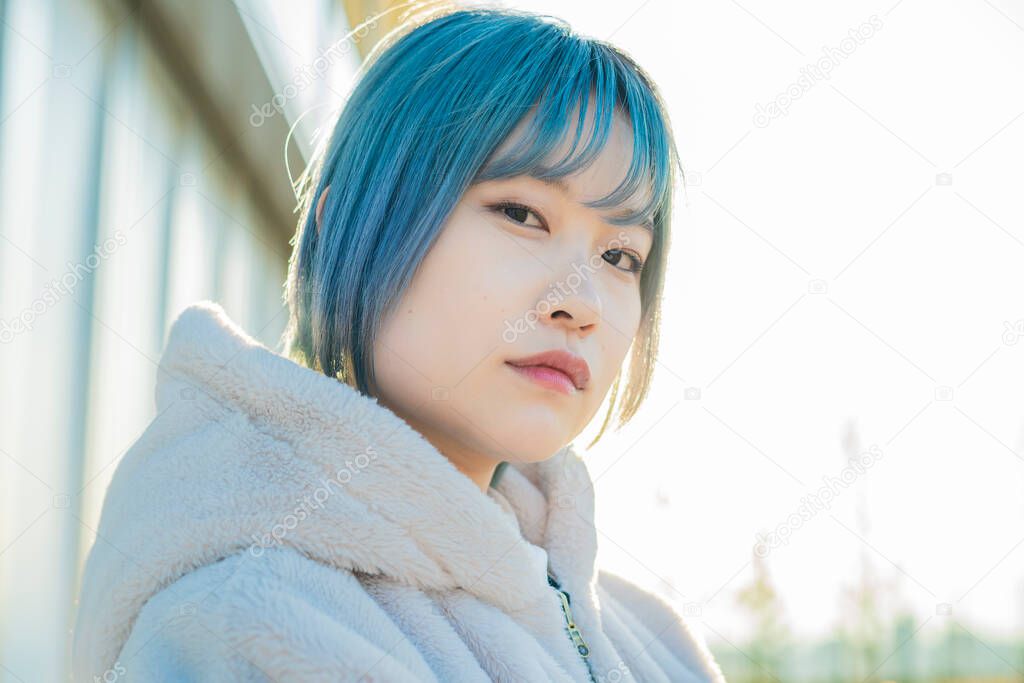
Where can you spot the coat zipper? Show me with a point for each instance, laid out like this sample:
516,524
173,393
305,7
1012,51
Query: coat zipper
574,633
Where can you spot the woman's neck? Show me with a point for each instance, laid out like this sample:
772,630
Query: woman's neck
478,467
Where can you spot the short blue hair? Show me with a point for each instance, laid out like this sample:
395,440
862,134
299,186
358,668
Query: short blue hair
431,106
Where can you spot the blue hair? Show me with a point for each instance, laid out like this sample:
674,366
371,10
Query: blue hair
432,104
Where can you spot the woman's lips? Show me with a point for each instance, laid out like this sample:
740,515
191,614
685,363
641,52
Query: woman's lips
549,378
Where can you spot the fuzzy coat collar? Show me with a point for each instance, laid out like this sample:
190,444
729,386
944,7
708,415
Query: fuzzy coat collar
327,471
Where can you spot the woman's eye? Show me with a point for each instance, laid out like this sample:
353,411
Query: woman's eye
519,214
614,257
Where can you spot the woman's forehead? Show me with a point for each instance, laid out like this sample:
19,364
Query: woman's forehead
603,174
621,128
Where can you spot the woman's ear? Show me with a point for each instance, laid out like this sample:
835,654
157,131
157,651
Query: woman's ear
320,207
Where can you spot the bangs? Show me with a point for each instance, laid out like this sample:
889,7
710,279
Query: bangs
429,115
609,82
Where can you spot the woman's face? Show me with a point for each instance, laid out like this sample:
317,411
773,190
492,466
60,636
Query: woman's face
517,270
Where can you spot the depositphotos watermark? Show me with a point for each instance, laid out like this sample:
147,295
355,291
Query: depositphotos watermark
816,71
315,500
1013,331
813,503
57,289
307,74
553,298
616,674
112,674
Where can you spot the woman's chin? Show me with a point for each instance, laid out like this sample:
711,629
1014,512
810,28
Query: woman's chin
531,439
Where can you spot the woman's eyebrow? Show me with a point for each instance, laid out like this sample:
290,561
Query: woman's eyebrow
563,187
645,223
557,183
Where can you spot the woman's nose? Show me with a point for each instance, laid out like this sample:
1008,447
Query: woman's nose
578,304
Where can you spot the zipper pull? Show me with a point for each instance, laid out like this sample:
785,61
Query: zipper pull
574,632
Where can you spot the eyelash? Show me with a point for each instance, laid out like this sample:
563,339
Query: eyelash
638,263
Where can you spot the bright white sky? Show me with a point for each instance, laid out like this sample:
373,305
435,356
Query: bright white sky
908,306
821,276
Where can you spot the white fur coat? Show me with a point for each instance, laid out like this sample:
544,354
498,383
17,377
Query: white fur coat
272,523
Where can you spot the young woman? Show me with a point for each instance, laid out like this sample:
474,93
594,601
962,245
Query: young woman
394,496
